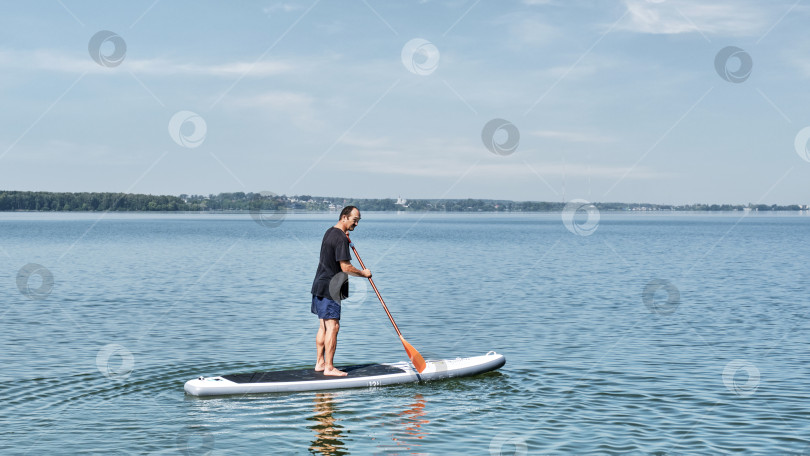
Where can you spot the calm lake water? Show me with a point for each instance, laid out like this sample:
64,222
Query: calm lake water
637,333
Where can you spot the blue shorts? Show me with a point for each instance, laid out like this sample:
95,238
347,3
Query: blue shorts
325,308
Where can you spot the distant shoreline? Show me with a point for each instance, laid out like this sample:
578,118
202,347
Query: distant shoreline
240,202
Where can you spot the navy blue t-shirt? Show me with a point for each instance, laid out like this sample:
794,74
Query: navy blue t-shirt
334,249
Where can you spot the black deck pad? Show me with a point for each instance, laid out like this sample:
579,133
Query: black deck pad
301,375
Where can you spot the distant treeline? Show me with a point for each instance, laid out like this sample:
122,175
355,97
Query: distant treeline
477,205
48,201
241,201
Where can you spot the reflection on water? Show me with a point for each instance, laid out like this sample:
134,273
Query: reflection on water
411,423
328,432
407,427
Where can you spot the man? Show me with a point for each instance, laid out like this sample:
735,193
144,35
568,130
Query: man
331,285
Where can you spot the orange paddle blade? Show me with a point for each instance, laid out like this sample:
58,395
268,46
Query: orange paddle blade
416,358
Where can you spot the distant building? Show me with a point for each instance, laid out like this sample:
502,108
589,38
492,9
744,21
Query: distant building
401,201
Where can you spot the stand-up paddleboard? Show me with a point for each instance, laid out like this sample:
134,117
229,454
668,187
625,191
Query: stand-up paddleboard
359,376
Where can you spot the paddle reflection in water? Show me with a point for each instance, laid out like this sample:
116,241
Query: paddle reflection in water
408,428
328,432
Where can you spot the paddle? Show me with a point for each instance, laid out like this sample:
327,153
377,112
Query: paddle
416,358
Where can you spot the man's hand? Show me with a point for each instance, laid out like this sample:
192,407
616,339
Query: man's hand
347,267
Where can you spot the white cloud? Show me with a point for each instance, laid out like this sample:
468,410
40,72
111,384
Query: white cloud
276,99
364,142
534,31
297,107
59,152
444,167
48,60
796,56
569,136
528,28
737,18
255,69
281,6
442,158
570,170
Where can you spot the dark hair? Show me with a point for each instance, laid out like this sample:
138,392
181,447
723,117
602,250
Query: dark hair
346,211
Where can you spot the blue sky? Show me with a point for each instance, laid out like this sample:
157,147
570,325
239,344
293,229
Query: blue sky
613,100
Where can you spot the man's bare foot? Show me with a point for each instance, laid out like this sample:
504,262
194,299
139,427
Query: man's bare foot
319,367
334,372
